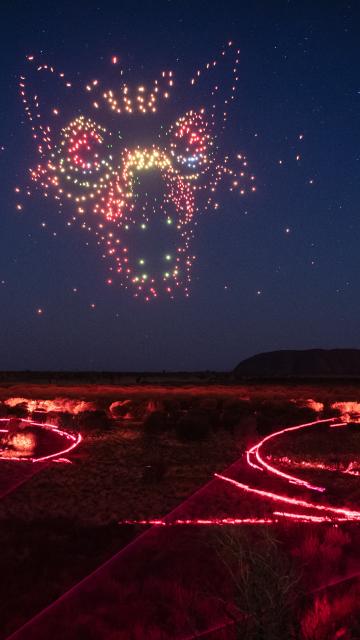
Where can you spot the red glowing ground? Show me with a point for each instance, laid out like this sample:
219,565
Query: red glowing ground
253,490
294,498
34,442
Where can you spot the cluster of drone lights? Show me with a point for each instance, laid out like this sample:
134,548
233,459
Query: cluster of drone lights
303,510
141,100
72,441
82,166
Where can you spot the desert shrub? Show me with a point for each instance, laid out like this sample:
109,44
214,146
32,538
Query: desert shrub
171,405
133,408
210,404
98,420
246,428
265,585
193,426
155,422
331,618
39,416
4,410
232,413
235,404
329,411
323,553
154,404
174,412
185,404
271,415
213,409
52,417
65,419
19,410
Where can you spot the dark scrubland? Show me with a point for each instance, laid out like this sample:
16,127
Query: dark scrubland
146,449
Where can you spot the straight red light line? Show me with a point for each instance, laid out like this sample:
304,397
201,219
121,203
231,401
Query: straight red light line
349,515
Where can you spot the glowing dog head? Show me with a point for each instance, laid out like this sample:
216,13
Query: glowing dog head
140,200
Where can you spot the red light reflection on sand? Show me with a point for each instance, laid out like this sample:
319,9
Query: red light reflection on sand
255,451
323,512
54,405
331,511
74,439
201,521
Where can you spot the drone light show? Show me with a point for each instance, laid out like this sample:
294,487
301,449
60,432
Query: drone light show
140,201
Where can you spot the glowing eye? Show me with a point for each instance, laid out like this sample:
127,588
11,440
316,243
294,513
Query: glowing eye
191,140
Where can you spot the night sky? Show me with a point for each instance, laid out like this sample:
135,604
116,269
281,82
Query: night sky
277,269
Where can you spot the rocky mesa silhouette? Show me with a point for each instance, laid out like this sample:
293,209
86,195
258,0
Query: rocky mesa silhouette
305,363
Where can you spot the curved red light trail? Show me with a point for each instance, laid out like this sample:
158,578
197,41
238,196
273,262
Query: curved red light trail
304,510
74,439
255,450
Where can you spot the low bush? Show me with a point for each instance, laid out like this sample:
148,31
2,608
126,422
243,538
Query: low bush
19,410
98,420
193,426
132,408
265,584
64,419
155,422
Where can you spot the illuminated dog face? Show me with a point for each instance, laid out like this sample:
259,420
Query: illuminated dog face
140,201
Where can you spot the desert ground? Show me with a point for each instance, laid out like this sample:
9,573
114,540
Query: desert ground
128,534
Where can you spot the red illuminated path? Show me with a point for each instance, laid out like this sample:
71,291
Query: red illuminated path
147,574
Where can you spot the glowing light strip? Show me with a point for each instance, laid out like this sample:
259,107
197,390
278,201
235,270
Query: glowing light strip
159,522
349,470
349,514
305,518
251,463
255,450
329,514
76,439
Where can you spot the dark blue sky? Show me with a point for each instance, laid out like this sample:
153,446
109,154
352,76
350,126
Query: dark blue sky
256,286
